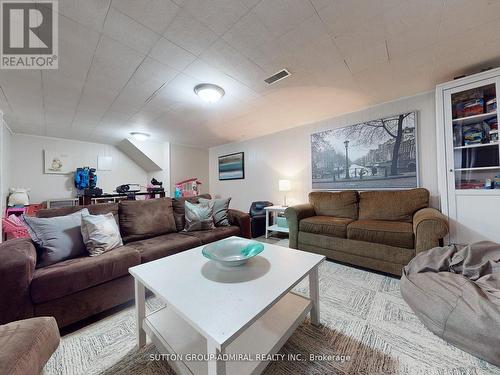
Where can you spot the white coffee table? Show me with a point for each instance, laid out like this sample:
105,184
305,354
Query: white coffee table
222,313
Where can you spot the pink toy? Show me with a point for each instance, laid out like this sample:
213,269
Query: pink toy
187,188
14,227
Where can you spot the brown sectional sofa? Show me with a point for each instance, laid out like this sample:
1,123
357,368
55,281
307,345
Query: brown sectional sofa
382,230
75,289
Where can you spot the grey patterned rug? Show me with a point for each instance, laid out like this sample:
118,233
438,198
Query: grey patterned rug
363,317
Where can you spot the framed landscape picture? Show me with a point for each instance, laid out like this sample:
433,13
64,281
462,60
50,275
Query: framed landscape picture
232,166
377,154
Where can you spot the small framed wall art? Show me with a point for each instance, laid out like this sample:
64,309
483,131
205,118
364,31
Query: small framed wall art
56,162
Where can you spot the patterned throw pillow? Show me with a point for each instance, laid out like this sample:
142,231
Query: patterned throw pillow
199,216
100,233
220,211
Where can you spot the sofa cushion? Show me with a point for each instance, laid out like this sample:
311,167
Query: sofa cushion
392,205
359,250
146,218
327,225
162,246
179,209
27,345
338,204
207,236
70,276
392,233
94,209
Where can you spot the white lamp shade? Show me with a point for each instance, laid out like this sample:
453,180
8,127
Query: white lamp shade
284,185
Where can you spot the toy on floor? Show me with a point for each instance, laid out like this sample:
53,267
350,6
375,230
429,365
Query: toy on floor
187,188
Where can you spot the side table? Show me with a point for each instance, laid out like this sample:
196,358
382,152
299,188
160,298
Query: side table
273,227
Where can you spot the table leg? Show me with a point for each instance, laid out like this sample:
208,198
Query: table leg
215,366
267,221
314,295
140,312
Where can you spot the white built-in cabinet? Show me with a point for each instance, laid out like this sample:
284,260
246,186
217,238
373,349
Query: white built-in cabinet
469,156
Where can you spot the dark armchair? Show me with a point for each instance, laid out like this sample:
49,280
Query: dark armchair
258,218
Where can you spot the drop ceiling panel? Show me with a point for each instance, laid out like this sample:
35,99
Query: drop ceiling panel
218,15
281,16
90,13
77,44
189,33
342,16
234,64
149,77
113,65
171,54
132,65
153,14
249,33
138,37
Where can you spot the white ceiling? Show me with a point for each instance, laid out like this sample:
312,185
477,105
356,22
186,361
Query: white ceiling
344,55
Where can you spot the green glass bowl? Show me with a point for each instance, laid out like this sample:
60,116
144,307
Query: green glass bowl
232,252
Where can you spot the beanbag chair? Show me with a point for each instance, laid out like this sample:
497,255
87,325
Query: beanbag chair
455,292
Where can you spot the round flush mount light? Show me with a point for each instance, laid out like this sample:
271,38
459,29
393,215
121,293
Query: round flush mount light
209,92
140,136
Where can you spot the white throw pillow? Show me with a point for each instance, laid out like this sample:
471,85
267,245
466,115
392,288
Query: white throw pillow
100,233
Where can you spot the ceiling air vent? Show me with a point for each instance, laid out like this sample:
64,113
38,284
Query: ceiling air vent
278,76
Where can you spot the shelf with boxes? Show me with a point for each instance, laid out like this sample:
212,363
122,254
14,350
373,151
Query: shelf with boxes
476,153
469,155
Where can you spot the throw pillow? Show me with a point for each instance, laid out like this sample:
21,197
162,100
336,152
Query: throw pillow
144,219
199,216
57,238
100,233
220,211
179,209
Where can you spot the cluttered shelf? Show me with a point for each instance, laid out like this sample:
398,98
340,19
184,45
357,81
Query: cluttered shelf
476,168
474,145
474,118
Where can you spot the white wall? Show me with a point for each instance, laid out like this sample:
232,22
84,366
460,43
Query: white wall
287,154
27,167
152,156
163,154
189,162
5,167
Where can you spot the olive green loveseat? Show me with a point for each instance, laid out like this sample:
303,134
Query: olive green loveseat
381,230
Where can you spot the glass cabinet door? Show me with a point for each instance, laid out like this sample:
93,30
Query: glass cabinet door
475,138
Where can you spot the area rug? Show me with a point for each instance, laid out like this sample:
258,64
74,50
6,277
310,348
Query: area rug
367,328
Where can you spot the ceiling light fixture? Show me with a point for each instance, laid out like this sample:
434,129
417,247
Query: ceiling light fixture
209,92
140,136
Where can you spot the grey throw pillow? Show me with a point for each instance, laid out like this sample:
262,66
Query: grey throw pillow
220,210
57,238
199,216
100,233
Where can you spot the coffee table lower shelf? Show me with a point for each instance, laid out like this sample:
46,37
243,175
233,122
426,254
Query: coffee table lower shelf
173,335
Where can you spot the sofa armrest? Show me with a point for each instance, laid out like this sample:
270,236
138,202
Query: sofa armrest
17,266
293,216
429,226
241,219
